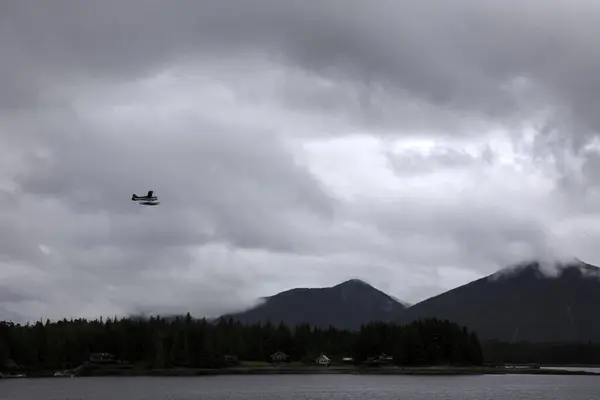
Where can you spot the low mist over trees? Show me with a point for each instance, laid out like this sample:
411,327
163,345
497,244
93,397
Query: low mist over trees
184,342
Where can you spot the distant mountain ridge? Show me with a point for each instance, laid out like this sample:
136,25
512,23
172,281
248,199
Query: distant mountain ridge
524,303
346,306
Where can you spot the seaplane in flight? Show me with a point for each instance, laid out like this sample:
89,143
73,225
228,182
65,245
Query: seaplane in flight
148,200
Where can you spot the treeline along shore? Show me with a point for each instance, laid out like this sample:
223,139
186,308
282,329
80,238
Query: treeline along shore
133,346
158,343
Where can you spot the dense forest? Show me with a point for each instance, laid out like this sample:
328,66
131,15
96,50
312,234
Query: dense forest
496,352
185,342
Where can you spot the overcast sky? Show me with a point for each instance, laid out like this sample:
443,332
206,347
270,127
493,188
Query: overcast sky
415,145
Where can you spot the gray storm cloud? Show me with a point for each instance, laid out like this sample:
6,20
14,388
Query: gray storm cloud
215,105
493,60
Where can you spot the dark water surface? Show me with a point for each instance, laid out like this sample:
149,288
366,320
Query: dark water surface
307,387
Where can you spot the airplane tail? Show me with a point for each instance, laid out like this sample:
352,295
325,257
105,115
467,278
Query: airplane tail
134,197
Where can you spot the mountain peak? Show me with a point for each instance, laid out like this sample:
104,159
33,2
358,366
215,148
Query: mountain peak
347,305
547,269
533,301
354,282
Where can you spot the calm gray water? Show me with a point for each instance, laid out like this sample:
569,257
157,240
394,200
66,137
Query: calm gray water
307,387
588,369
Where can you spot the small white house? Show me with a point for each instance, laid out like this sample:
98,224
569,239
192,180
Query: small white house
323,360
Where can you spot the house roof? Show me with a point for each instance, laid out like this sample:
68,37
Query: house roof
323,357
279,353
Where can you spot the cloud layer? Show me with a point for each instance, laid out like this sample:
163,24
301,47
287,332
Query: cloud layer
412,145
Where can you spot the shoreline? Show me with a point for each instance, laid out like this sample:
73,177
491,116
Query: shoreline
312,370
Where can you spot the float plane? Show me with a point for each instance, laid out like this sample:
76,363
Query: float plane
148,200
